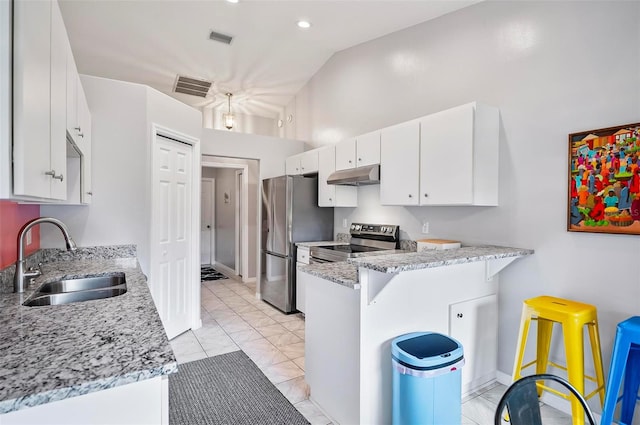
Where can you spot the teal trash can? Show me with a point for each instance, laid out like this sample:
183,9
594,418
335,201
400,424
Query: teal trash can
427,380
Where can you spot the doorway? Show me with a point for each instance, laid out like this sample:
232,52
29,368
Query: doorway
234,208
174,236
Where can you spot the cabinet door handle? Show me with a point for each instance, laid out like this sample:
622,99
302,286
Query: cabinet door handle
359,159
330,199
81,135
410,196
52,173
426,195
91,193
459,315
78,129
349,161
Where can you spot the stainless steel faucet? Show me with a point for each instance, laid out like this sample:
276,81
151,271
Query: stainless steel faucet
22,274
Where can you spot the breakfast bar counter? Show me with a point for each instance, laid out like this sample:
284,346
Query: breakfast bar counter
354,309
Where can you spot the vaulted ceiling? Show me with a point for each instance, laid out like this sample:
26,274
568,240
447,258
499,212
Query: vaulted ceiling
269,60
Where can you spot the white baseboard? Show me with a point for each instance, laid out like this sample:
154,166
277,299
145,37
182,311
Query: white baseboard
197,324
225,270
249,280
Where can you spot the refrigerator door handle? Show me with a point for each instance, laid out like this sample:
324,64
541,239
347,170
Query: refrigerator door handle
274,254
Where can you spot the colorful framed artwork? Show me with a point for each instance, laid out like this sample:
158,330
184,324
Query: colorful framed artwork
604,180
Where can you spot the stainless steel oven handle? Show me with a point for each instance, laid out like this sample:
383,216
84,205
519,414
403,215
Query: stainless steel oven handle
313,260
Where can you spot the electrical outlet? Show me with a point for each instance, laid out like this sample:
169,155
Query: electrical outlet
29,237
344,223
425,227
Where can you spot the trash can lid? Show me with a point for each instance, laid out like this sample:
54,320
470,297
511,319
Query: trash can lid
426,350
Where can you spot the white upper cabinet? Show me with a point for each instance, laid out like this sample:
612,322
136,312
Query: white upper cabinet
358,151
346,154
446,158
399,164
39,96
48,106
303,163
459,156
330,195
368,149
309,162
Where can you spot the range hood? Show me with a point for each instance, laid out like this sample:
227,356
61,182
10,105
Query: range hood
369,174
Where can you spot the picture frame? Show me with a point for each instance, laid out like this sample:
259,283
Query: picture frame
604,180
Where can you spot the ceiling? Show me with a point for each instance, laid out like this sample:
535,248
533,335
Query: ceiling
269,60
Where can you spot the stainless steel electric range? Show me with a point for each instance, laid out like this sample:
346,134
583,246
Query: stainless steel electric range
366,239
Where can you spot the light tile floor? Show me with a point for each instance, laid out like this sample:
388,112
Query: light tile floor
233,319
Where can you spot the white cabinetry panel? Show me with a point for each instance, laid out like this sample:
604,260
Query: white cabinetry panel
346,154
368,149
399,164
474,324
446,157
330,195
32,97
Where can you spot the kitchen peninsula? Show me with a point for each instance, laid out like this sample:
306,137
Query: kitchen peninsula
355,309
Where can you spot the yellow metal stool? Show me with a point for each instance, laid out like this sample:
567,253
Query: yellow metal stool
573,316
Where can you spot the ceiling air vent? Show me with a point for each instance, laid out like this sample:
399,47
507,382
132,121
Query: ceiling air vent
192,86
222,38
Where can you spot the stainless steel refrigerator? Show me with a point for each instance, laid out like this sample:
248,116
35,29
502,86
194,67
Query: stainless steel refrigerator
290,214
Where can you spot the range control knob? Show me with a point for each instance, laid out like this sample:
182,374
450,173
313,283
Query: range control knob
383,229
353,226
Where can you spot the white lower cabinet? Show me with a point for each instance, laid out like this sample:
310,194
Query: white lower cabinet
143,402
330,195
474,324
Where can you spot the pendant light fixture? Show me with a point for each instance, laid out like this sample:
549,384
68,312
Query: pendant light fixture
228,117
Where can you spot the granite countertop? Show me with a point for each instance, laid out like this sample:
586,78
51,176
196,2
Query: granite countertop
396,263
346,272
341,272
55,352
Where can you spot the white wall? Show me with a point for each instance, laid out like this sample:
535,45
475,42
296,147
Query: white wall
243,123
226,217
121,115
270,151
553,68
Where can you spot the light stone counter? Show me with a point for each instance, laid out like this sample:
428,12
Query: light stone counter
397,263
341,272
346,273
55,352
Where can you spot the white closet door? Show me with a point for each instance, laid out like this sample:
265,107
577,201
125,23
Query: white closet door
171,277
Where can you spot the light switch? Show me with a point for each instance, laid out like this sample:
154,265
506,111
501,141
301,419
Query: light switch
344,223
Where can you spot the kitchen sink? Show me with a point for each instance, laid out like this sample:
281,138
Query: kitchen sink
88,288
82,284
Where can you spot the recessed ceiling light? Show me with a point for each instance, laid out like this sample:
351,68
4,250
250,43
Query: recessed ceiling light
304,24
232,1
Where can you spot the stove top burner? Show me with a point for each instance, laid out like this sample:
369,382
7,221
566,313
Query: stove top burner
365,238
